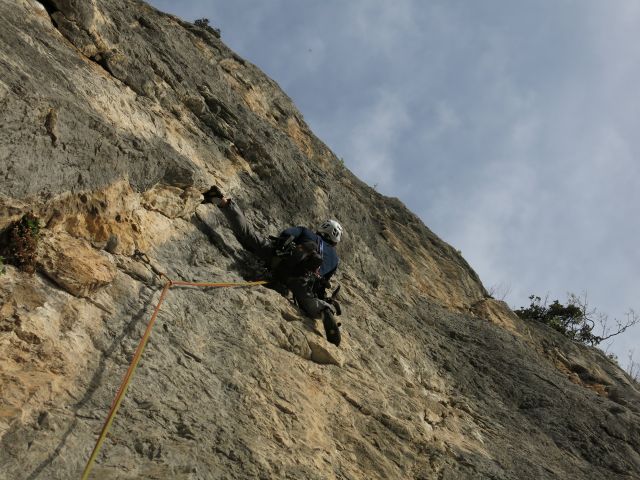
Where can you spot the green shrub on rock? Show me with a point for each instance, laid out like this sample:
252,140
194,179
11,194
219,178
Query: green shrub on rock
575,320
23,243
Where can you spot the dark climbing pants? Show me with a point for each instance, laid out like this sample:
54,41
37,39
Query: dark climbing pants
245,233
261,247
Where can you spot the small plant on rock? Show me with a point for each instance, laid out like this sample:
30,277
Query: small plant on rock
23,243
204,24
201,22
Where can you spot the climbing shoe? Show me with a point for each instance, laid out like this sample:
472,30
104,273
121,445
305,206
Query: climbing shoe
331,327
215,196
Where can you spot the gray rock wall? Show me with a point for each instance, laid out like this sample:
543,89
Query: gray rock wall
114,118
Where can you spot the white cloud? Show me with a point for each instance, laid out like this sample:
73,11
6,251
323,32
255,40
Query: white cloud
371,144
382,24
445,120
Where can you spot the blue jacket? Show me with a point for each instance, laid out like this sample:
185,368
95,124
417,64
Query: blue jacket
328,252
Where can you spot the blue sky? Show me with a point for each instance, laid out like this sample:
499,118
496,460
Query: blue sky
510,128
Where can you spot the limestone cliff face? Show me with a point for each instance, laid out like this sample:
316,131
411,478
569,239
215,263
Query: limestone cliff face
114,118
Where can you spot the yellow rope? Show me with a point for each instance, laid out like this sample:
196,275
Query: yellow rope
115,405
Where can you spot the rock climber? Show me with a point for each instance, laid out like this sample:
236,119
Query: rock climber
300,259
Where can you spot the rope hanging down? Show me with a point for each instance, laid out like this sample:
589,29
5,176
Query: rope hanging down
122,390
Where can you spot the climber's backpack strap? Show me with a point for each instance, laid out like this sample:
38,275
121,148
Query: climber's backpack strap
294,260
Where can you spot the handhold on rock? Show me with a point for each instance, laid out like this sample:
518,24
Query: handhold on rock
112,244
324,353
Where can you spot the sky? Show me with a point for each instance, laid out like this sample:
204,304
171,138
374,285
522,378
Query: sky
510,128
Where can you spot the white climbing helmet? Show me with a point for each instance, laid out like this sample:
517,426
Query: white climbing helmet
332,230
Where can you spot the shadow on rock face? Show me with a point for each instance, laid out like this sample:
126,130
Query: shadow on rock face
96,381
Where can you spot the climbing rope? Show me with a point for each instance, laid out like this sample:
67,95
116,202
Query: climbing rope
122,390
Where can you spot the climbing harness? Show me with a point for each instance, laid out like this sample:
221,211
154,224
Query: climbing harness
115,405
